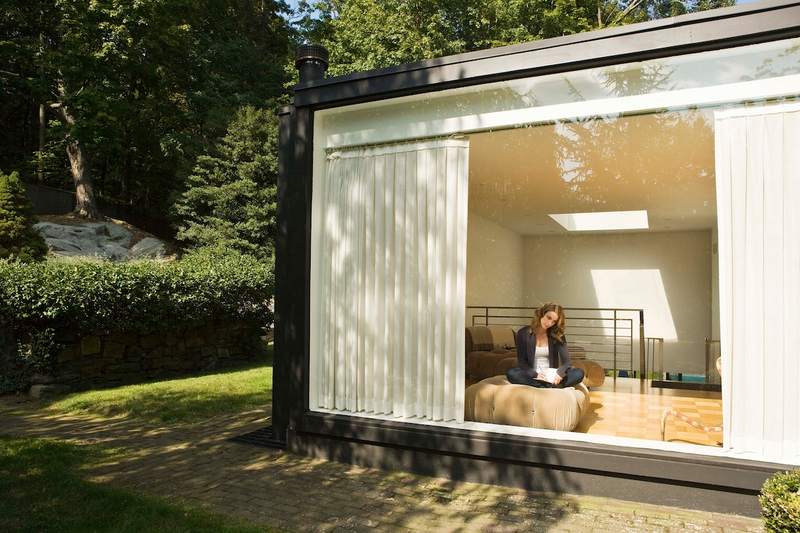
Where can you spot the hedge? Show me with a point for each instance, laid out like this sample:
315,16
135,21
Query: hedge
147,296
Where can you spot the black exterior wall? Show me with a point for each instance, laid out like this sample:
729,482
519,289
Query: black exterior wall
719,484
540,477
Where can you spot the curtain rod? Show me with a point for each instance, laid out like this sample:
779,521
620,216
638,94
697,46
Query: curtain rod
453,137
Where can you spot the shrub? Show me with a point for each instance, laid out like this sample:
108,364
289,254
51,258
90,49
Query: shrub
43,303
18,239
144,296
780,502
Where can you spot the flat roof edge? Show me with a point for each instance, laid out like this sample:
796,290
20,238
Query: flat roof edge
726,27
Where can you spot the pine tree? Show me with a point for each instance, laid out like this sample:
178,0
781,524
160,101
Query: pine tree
18,239
230,200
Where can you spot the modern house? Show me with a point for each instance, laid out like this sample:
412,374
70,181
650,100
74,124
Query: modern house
646,177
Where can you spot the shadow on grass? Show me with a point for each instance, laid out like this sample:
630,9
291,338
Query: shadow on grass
42,490
265,486
183,400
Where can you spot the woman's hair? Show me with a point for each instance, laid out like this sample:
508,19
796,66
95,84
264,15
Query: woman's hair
557,329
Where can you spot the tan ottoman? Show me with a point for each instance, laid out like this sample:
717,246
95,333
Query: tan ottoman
496,401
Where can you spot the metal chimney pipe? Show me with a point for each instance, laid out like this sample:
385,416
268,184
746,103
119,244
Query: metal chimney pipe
312,62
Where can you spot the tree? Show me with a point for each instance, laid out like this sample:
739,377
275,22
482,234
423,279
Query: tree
136,89
368,34
18,239
230,200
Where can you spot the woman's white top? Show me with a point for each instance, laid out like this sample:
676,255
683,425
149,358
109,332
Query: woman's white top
542,358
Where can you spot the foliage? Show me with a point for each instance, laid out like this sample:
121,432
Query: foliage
780,502
368,34
43,490
86,297
18,239
178,400
230,198
38,353
150,84
34,353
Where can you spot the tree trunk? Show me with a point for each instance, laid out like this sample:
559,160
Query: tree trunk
42,110
85,204
42,126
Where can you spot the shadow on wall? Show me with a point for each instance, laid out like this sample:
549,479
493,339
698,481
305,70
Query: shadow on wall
668,274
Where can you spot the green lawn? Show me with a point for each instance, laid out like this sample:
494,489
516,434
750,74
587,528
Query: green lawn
177,400
41,489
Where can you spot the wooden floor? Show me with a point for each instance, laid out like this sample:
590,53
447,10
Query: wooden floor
627,408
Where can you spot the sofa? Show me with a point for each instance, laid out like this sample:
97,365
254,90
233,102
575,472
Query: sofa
496,401
491,351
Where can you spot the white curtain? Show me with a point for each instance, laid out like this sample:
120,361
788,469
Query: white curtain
758,197
388,281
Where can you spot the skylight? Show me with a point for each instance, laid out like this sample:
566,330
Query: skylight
602,221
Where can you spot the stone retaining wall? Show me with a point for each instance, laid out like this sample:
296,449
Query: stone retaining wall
111,359
10,368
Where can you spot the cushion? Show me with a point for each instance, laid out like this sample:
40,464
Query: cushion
478,338
488,338
594,374
502,337
483,364
496,401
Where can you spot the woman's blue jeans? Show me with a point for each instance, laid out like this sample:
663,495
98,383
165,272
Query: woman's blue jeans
520,377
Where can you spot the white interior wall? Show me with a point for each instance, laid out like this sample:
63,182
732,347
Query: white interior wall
494,264
666,273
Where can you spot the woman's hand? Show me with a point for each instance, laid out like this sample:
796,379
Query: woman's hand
557,380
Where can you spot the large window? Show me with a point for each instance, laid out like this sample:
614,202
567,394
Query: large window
615,219
628,194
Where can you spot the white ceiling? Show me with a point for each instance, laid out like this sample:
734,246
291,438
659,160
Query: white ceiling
662,163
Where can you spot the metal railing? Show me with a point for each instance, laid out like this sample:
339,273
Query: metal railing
712,353
655,357
606,335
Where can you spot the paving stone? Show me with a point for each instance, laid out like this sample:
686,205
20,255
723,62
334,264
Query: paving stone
196,464
688,526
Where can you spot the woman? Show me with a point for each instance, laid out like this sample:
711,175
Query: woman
542,352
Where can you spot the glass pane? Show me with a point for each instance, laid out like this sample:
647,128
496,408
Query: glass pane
612,215
613,218
473,108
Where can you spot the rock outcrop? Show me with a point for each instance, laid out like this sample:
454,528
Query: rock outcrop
98,239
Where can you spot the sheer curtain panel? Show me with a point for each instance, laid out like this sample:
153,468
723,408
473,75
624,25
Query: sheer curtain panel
758,191
388,280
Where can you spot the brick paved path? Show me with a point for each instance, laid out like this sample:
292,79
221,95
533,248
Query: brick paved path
196,464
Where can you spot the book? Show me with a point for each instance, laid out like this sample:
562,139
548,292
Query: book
549,374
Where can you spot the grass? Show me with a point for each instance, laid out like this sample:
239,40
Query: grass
42,490
177,400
